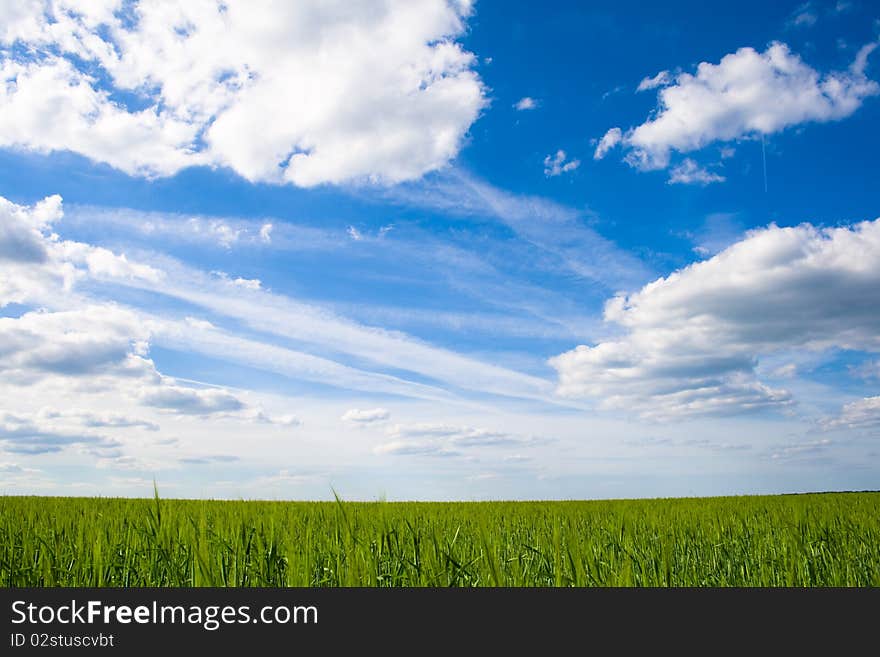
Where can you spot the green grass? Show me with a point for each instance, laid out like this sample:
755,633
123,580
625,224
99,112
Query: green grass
829,539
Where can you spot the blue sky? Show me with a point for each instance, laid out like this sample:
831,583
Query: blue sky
435,250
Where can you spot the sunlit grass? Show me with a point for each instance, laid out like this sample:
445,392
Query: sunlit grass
830,539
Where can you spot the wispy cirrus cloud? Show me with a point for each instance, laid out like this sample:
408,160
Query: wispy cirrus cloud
434,439
119,331
555,229
662,79
227,233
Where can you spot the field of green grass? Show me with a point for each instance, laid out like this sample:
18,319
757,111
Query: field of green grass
829,539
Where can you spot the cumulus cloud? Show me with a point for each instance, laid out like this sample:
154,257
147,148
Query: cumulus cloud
526,103
35,264
689,173
102,347
21,231
691,341
26,265
190,401
304,93
94,340
555,165
747,93
859,414
82,343
367,416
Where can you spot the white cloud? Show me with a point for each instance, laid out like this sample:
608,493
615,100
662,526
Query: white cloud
121,461
104,419
304,93
689,173
258,415
94,340
24,433
805,15
746,94
662,79
431,439
859,414
367,416
26,264
787,371
102,263
81,343
414,448
555,165
102,347
190,401
35,264
171,228
611,92
16,469
208,459
691,341
286,477
322,329
248,283
200,324
609,140
218,293
526,103
22,228
800,451
49,105
867,370
861,61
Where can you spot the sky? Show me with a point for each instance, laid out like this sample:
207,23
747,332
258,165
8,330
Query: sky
436,250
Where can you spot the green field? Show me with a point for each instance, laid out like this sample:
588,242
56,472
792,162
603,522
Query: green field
829,539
